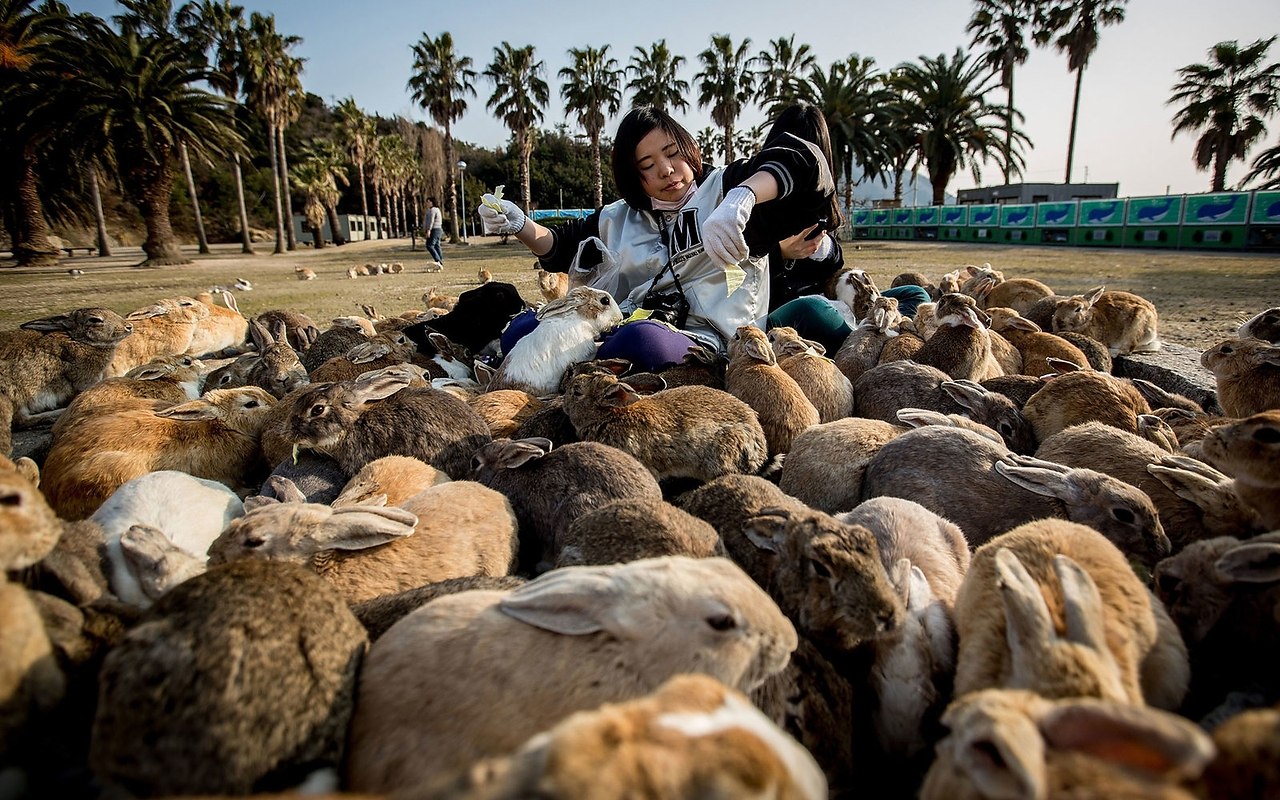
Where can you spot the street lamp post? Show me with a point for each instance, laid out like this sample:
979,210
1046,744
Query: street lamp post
462,179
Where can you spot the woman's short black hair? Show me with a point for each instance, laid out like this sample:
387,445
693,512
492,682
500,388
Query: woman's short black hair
638,123
809,123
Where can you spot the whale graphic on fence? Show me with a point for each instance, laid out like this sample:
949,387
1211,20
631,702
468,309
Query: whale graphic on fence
1056,215
1018,217
1273,210
902,217
1212,212
1155,213
1103,213
926,216
953,215
984,215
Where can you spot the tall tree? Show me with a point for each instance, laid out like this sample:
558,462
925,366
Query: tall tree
656,78
782,67
214,26
1073,27
440,82
953,124
1000,29
357,132
291,75
1265,169
1227,101
28,37
314,183
329,159
269,75
137,100
726,84
591,89
519,94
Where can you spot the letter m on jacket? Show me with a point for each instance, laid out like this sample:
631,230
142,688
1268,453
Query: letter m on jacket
685,234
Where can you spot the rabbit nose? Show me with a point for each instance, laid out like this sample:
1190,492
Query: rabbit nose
886,621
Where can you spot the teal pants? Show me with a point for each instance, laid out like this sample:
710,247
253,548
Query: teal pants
813,318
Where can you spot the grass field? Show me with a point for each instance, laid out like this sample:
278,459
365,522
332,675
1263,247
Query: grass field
1201,296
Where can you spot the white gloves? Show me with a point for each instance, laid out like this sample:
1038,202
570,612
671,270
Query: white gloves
722,232
510,221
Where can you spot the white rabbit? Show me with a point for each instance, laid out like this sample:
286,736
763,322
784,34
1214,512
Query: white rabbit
566,334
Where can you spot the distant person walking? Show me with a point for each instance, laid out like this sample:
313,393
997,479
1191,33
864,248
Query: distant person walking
434,226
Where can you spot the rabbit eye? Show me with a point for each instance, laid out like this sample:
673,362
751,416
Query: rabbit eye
1168,584
254,542
819,569
604,301
722,622
1226,348
1006,430
1123,516
1266,435
252,404
11,500
318,410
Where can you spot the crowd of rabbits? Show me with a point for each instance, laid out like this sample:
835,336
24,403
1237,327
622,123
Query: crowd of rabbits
958,558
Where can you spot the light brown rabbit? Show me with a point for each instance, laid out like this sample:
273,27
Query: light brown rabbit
484,275
861,349
1034,344
433,298
224,329
961,347
50,360
1248,375
170,379
689,431
165,328
1082,396
818,376
1249,451
1264,325
553,285
755,378
1020,294
305,273
1124,322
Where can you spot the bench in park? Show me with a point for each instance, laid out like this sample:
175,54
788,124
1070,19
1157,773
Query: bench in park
71,251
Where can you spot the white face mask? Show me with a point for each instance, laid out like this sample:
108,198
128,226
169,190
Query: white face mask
674,205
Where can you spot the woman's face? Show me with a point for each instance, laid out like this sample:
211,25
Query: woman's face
664,173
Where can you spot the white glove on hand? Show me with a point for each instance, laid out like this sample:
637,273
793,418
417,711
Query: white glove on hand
510,221
722,232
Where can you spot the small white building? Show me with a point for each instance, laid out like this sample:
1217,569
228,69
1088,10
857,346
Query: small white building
351,226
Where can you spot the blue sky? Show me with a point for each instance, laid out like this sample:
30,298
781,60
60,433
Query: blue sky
363,50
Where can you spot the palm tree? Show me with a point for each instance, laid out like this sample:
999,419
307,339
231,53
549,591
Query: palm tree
591,89
330,159
999,26
726,83
441,79
951,121
855,102
1227,101
314,183
28,37
519,95
780,68
1265,169
268,75
136,101
1076,23
357,132
291,77
216,25
655,80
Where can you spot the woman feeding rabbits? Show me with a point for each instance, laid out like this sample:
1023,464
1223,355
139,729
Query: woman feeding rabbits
685,251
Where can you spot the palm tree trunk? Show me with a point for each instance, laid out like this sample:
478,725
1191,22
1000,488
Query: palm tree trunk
1220,160
1008,133
104,246
201,241
154,186
275,189
1075,111
450,167
364,201
728,142
595,168
897,183
31,246
291,238
526,156
332,213
377,205
246,243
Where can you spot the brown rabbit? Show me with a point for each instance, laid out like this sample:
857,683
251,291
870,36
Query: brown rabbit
818,376
277,370
1034,344
961,347
484,275
1248,375
47,363
171,379
1264,325
856,289
861,349
1020,294
1249,451
553,285
165,328
1124,322
355,422
755,378
1077,397
690,431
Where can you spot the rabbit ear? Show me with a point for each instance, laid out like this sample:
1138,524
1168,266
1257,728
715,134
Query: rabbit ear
647,383
156,310
365,352
563,306
1136,737
617,366
360,527
379,386
919,594
922,417
1001,759
61,322
260,336
965,392
521,451
149,373
1047,482
484,374
1029,628
701,354
285,490
1064,366
442,343
571,601
191,411
1082,604
1090,297
619,395
1251,562
1194,487
767,531
1023,324
1268,355
757,349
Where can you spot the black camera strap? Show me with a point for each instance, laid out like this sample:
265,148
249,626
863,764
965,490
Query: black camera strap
666,243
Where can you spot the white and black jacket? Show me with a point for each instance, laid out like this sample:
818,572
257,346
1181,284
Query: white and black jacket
621,249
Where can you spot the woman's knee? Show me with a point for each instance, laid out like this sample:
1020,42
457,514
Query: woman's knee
649,346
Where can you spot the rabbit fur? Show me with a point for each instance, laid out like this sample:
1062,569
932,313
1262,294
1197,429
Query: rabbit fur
755,378
625,530
1247,373
818,376
1249,451
824,468
1124,322
616,633
566,333
165,328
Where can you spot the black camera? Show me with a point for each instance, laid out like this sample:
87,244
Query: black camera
669,307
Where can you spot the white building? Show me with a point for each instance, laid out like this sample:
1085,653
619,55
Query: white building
351,226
